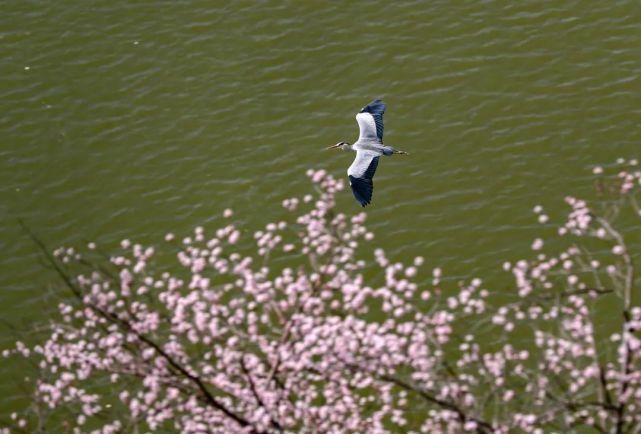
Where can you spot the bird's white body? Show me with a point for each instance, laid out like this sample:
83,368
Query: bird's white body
369,147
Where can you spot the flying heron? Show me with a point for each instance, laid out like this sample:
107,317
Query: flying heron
369,147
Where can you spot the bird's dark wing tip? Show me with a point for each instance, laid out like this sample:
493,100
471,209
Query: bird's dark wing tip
362,189
377,106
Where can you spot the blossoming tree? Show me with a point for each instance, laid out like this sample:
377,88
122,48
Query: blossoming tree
292,338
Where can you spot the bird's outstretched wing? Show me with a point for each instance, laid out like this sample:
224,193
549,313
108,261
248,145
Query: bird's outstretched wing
370,121
360,175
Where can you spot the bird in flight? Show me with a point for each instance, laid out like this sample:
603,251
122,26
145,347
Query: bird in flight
369,147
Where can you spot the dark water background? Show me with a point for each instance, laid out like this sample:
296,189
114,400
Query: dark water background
123,120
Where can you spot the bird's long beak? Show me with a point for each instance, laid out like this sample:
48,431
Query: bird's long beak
333,147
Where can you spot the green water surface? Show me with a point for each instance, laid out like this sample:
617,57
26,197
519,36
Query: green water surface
134,119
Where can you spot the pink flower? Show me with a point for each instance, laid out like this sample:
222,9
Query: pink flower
537,244
233,237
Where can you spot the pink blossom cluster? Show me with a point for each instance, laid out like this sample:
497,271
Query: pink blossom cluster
294,330
579,219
